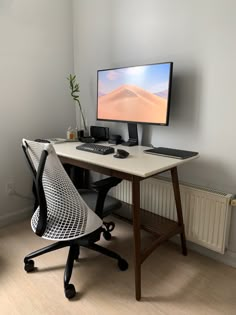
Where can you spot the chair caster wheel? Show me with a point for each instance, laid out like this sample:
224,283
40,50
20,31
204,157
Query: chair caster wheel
107,235
29,266
70,291
109,226
122,264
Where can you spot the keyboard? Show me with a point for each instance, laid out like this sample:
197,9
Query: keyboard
174,153
95,148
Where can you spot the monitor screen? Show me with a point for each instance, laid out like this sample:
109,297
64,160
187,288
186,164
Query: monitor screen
139,94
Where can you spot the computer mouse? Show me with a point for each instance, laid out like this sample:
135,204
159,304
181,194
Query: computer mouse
121,154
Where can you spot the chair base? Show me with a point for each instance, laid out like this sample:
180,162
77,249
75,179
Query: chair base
74,251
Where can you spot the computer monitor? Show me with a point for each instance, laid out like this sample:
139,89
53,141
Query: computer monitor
137,94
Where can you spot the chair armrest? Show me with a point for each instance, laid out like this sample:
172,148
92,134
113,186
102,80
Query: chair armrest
105,184
102,187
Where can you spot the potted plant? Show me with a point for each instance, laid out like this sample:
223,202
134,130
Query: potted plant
74,87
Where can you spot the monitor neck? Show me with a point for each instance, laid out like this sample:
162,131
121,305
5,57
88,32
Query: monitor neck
133,135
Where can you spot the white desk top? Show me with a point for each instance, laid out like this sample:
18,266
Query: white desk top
137,163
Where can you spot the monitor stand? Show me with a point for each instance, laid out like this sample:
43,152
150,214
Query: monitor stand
133,135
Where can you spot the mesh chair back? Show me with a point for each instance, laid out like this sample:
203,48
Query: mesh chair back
67,215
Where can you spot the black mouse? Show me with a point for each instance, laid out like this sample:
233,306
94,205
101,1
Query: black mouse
121,154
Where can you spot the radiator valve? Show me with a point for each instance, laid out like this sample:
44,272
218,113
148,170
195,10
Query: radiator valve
233,202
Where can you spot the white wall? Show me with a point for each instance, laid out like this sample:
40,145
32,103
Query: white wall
92,48
36,55
198,36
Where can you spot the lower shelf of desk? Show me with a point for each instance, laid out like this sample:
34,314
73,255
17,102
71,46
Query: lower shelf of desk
162,228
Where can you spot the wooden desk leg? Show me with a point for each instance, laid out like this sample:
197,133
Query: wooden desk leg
136,235
175,182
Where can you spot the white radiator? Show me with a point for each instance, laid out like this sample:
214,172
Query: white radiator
206,212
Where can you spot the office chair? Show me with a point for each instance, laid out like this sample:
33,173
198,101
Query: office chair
62,215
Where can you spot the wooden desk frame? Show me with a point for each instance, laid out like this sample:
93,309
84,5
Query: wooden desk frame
166,228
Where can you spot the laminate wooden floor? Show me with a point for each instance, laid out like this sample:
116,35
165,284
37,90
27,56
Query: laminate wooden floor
171,283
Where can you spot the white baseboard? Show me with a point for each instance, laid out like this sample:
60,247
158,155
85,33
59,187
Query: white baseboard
228,258
15,216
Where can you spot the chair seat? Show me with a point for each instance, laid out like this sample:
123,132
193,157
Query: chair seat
64,228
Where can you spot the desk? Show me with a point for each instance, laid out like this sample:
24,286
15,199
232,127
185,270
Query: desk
137,167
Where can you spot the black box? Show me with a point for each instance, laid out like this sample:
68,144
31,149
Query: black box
99,133
115,139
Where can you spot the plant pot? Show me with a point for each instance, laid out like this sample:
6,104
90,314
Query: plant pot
82,133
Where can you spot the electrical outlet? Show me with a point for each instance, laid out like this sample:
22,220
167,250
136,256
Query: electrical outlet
10,188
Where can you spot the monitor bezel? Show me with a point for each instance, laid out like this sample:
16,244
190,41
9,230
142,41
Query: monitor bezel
140,122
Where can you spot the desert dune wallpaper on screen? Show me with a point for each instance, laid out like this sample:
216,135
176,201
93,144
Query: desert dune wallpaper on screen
138,94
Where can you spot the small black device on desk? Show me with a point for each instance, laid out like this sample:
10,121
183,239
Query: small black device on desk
42,140
121,154
99,133
95,148
96,134
174,153
88,139
115,139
